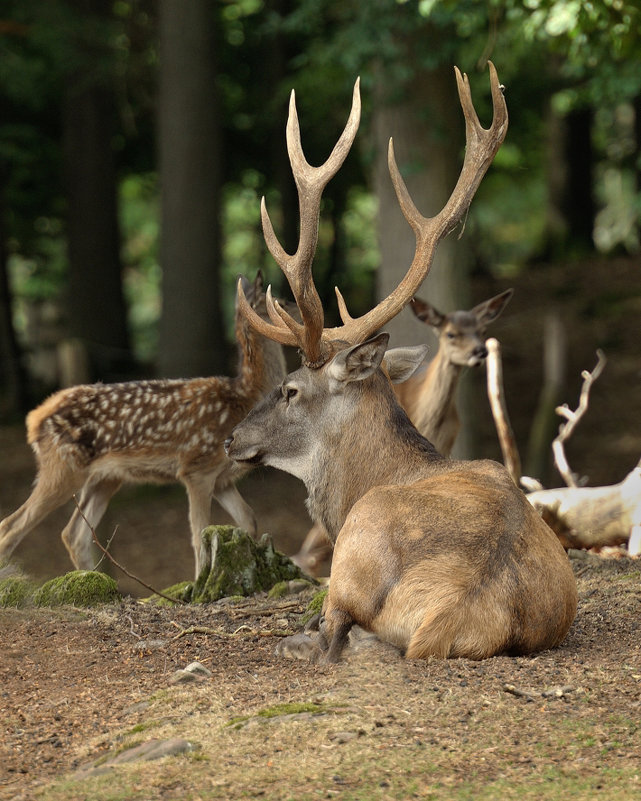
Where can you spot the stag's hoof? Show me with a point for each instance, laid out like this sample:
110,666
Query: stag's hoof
299,646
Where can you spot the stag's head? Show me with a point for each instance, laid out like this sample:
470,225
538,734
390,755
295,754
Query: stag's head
340,363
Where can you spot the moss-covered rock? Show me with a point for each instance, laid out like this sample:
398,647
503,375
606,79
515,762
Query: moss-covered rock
182,591
16,590
78,588
238,565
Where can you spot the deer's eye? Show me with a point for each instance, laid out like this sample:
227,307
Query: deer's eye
450,335
289,392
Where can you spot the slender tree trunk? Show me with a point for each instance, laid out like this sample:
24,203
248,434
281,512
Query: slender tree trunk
191,332
569,173
427,128
97,311
13,384
428,132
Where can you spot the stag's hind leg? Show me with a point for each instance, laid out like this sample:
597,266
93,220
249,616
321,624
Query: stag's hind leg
93,502
56,483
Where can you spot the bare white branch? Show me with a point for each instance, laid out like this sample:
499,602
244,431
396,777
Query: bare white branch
573,417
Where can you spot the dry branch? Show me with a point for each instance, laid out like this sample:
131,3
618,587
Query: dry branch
106,553
572,418
590,517
499,409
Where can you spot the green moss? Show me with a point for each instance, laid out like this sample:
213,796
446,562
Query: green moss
182,591
291,709
78,588
293,587
279,710
16,591
315,606
238,565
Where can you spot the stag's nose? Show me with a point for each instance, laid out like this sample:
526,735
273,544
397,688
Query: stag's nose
480,352
227,444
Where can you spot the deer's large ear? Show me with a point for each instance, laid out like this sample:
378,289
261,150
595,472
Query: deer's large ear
401,363
490,309
358,362
426,313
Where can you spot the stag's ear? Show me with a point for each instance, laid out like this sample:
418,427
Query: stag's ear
358,362
401,363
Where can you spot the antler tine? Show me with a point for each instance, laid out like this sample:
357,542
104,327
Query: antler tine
277,329
481,147
310,182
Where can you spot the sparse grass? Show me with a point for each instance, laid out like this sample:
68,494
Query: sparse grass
291,751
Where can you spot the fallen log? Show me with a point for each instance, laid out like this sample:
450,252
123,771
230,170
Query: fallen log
594,517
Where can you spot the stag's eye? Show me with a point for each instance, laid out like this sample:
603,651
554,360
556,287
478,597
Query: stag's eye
451,335
289,392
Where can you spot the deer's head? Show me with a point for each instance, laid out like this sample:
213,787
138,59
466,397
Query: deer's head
341,365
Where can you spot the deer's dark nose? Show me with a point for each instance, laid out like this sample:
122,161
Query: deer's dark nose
480,352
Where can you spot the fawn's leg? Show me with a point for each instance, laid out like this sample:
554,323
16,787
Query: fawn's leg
235,505
76,535
199,491
55,484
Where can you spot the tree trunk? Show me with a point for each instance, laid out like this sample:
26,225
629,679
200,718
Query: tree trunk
191,332
97,311
428,131
13,384
427,128
569,174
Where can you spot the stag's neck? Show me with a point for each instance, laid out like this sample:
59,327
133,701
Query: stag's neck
370,449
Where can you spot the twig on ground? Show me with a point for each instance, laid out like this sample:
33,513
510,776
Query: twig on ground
118,565
241,631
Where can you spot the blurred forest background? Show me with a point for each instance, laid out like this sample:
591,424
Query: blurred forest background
137,137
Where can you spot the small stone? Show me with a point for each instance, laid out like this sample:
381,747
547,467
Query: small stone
184,677
199,668
342,736
149,645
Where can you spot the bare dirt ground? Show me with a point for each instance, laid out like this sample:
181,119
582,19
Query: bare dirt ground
77,686
566,724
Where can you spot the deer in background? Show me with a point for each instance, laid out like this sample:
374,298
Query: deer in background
435,556
429,397
92,438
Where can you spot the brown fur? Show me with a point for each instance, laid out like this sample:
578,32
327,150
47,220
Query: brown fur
429,397
439,557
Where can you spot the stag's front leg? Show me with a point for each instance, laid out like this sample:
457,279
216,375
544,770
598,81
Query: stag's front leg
310,645
335,626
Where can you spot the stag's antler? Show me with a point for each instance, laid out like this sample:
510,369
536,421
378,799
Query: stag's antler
317,343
